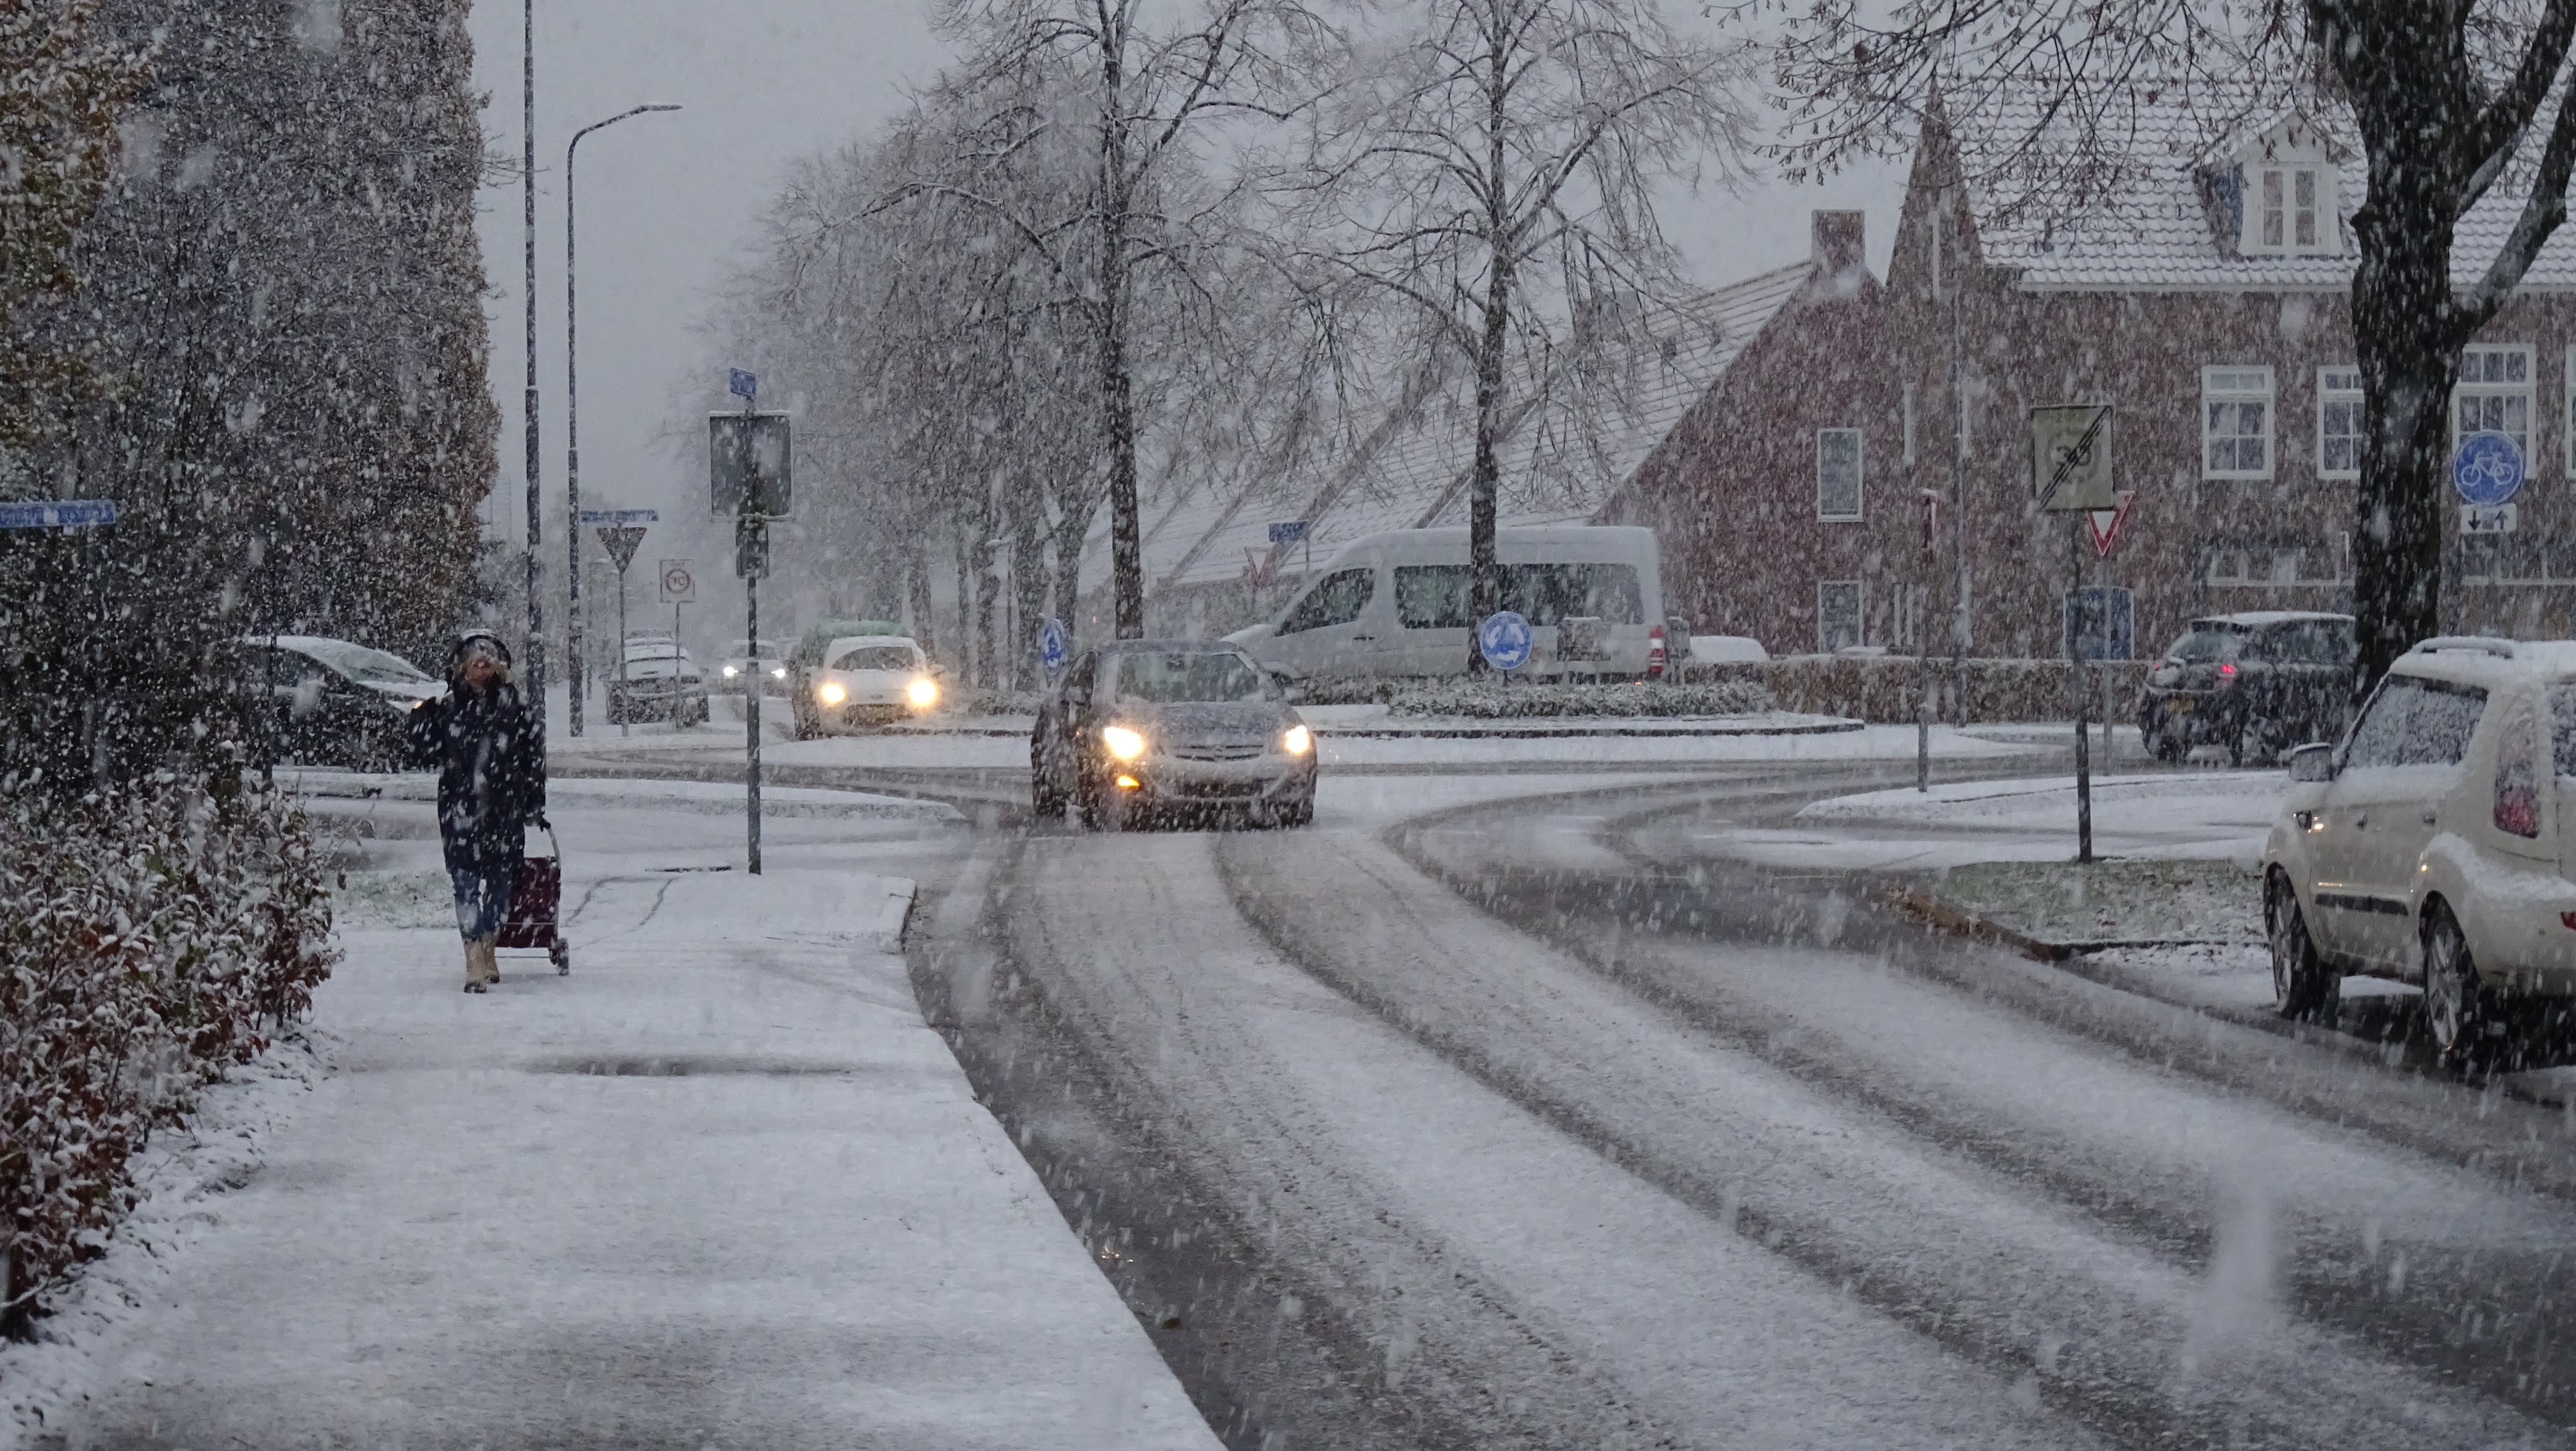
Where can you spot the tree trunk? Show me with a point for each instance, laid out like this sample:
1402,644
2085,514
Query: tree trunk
1072,527
988,672
2408,330
1117,393
1028,585
924,622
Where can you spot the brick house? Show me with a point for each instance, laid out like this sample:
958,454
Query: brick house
2207,300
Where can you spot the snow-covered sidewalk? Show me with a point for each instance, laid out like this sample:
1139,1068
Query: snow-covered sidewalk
718,1187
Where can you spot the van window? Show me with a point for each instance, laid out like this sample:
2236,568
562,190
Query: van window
2413,721
1545,594
1434,596
1441,596
1337,599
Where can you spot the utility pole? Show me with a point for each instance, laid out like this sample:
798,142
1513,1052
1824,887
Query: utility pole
575,666
528,190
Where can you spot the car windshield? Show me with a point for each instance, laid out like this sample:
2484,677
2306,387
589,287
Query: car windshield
1175,676
874,657
368,667
2207,643
652,650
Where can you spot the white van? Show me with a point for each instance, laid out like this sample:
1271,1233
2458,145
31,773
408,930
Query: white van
1398,604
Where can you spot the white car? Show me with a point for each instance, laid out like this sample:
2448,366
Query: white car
867,680
2427,846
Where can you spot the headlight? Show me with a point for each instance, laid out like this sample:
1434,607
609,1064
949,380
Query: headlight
730,672
780,673
830,692
923,692
1123,743
1298,741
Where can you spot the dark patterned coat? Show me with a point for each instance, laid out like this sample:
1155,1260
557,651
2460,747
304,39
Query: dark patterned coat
490,754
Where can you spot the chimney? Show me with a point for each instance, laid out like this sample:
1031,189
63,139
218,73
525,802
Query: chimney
1841,243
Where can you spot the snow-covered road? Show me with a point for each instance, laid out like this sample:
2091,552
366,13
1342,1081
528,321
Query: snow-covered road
1617,1144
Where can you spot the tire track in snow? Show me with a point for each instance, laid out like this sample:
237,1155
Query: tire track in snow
2172,1223
1489,1262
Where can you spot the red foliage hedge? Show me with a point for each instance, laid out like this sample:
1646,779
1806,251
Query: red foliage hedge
149,934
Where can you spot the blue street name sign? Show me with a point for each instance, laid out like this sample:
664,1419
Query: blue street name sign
1504,639
1052,644
621,516
745,385
2488,468
1288,533
56,513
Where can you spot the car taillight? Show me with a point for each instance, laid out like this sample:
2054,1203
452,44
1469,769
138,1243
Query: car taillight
2227,673
1655,656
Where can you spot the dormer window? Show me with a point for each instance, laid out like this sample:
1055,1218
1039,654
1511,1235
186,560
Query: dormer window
2289,212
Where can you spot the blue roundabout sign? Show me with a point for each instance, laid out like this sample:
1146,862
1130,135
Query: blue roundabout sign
1504,639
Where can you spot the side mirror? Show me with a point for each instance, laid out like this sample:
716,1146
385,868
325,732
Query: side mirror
2312,762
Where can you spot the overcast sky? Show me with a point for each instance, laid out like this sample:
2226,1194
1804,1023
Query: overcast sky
667,201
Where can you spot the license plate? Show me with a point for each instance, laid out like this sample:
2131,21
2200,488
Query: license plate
2178,705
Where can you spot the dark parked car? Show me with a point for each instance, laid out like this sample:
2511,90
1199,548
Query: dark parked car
330,702
2257,683
1171,728
659,682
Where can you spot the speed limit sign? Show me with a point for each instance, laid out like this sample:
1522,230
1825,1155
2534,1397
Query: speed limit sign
679,581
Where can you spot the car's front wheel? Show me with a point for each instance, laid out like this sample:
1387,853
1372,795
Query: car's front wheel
2460,1015
2301,985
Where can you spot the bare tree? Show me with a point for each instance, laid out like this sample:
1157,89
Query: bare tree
2448,96
1150,88
1495,170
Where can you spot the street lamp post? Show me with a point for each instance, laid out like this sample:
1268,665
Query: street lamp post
573,663
536,673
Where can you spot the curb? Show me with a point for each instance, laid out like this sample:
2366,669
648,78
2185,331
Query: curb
1952,918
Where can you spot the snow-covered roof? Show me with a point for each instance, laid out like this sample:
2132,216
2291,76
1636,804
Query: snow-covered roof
2156,227
1412,471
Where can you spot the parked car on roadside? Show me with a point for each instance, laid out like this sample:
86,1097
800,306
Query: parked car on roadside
865,680
1399,603
330,702
660,682
740,666
2436,843
1142,730
2256,683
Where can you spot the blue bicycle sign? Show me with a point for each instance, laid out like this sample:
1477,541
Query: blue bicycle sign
1505,640
2487,468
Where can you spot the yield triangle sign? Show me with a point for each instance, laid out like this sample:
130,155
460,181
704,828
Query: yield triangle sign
2104,524
621,541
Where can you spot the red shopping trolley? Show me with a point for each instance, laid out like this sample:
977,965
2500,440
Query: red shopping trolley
535,919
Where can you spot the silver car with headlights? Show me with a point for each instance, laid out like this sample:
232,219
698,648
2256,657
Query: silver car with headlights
1145,730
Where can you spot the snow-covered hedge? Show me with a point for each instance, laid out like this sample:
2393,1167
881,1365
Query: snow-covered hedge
1886,688
149,936
1491,698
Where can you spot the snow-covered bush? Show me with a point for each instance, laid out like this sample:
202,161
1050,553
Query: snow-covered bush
1493,698
149,935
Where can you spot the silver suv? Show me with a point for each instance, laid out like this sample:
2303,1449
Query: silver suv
2427,847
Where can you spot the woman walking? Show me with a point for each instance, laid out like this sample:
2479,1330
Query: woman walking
490,753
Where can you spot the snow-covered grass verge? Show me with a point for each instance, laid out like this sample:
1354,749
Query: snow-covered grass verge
1495,698
179,1181
2112,901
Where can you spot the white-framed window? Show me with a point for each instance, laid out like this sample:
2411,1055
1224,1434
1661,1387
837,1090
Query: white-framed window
2494,393
2236,422
1837,614
1838,475
2569,432
2290,211
2339,422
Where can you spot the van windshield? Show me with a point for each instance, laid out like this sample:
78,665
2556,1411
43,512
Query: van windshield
1439,596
